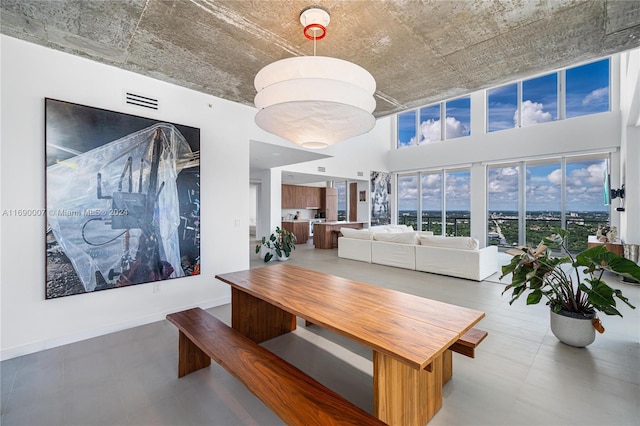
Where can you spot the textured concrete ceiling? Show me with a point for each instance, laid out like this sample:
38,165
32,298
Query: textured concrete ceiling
418,51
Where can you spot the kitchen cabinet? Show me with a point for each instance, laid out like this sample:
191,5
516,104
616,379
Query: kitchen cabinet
299,228
288,197
313,196
331,204
301,197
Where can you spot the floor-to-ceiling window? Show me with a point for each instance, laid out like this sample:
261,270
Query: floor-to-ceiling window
442,198
566,193
543,200
431,195
503,203
408,200
458,203
585,201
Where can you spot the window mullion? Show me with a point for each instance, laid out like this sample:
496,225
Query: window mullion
563,193
522,213
419,212
443,121
519,101
562,95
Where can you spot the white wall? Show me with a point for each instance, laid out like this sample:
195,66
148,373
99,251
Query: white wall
29,74
630,151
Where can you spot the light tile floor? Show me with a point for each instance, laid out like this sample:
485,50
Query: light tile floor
521,376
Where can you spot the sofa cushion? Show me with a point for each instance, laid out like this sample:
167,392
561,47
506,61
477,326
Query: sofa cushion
397,237
390,228
361,234
465,243
402,228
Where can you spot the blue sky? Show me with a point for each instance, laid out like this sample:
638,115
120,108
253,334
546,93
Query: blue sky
458,123
587,89
587,93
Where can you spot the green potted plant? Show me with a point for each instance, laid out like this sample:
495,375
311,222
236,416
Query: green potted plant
281,244
572,286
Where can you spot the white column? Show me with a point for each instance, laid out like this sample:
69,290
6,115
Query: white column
629,91
269,214
479,203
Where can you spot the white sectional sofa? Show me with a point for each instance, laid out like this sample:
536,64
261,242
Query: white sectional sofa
401,247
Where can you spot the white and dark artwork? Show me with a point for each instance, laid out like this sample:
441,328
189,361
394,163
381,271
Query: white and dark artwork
380,192
122,199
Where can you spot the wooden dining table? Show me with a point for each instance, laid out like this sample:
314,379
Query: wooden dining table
408,334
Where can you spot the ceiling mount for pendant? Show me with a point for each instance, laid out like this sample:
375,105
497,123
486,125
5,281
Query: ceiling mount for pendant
315,101
315,21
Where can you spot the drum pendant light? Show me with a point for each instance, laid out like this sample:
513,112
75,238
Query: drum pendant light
315,101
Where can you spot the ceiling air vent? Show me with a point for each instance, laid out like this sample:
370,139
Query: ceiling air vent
321,169
360,174
141,101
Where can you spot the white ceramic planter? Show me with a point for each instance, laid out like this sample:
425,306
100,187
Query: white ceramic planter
573,331
264,251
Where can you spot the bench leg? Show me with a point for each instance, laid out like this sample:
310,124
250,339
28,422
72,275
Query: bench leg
403,395
447,366
257,319
190,357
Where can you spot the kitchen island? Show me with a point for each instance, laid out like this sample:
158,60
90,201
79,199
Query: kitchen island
299,228
325,234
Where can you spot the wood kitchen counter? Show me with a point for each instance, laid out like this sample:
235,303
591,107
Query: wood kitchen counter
299,228
325,234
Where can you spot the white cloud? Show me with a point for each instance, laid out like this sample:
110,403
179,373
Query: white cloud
455,128
430,130
555,177
407,189
432,181
596,97
504,181
532,113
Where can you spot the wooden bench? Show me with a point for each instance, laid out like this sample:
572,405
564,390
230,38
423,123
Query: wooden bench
294,396
465,345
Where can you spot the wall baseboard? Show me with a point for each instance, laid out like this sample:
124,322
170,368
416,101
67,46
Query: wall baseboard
38,346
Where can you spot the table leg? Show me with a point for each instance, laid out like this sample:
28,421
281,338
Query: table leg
257,319
447,366
403,395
